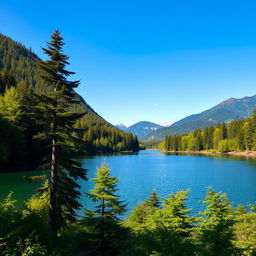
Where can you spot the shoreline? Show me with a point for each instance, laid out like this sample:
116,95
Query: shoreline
231,153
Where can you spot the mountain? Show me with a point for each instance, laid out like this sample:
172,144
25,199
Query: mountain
20,62
226,111
164,124
18,68
122,127
142,129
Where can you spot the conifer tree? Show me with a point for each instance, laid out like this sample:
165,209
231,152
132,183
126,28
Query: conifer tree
217,228
104,192
141,212
103,221
153,200
6,80
171,227
58,121
10,105
175,215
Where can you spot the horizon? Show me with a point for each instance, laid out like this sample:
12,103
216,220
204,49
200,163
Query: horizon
155,62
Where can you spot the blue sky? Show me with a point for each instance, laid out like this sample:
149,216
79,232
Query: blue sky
146,60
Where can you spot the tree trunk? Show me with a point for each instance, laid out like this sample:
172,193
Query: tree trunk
102,235
53,191
54,182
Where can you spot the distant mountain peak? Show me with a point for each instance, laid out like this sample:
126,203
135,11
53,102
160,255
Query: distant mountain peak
229,101
234,100
140,129
226,111
122,124
164,123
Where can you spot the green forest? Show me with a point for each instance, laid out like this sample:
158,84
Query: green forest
21,93
239,135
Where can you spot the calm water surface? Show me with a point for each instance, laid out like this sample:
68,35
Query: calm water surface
139,173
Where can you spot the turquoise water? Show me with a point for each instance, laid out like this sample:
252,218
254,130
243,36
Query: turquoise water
140,172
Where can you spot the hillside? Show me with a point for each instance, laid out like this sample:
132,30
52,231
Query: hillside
19,83
20,62
226,111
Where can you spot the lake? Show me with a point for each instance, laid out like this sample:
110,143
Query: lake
140,172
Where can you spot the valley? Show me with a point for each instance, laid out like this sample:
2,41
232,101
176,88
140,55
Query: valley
127,128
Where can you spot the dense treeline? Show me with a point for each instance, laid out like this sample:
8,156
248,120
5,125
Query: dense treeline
237,136
157,226
18,128
151,144
20,92
17,63
107,138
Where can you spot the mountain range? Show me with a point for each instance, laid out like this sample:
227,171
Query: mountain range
226,111
140,129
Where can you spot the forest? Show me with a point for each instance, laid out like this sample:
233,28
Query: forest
21,92
239,135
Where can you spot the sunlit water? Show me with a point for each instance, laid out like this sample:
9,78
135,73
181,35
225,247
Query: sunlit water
140,172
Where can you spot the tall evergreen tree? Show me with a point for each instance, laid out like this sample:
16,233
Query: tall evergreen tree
58,120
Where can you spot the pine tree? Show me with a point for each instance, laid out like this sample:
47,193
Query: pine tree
175,215
153,200
54,113
171,227
104,219
199,140
217,228
10,105
6,80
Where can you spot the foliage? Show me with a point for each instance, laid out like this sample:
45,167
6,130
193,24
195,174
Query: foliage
167,229
139,216
162,230
153,200
10,105
245,233
217,228
53,112
237,136
103,221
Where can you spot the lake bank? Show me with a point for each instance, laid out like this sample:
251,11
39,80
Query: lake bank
230,153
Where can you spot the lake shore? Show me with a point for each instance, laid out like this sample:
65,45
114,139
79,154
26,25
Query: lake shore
231,153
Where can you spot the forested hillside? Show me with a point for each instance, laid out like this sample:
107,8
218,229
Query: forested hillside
18,65
239,135
19,91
